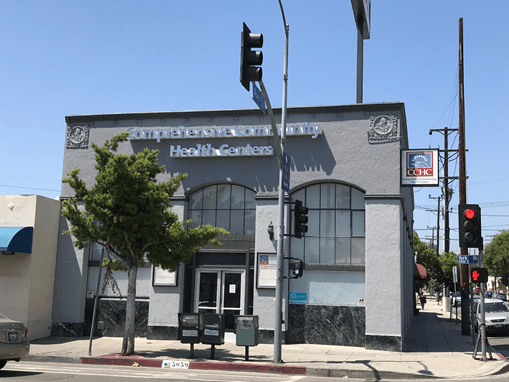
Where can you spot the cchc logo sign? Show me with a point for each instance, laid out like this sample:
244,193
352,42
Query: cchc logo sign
419,172
419,168
419,164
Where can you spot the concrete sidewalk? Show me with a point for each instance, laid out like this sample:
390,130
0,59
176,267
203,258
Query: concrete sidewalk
436,349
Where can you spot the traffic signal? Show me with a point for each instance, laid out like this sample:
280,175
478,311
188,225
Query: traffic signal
479,275
469,226
249,59
297,267
300,219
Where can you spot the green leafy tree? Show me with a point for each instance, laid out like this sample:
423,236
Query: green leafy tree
129,213
429,259
496,257
447,260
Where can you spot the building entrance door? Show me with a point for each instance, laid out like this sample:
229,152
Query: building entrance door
220,291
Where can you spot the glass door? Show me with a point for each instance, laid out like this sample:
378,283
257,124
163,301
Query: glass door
220,291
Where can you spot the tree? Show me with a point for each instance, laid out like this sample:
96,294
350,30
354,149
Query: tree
128,212
447,260
429,259
496,256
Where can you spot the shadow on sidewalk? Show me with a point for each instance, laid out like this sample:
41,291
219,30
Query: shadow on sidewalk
431,332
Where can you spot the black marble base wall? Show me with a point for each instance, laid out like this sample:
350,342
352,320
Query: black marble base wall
162,333
110,318
327,325
389,343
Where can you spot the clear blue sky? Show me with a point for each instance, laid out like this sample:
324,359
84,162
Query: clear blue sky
67,57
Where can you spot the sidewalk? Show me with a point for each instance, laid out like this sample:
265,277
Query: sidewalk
436,349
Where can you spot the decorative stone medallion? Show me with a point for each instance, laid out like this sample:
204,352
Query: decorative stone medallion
77,136
383,128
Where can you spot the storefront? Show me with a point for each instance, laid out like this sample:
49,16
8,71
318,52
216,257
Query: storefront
357,286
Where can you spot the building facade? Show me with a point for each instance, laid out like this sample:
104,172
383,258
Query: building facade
28,247
357,286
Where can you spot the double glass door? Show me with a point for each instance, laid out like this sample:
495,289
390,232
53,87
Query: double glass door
220,291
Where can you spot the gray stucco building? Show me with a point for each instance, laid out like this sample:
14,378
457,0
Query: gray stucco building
357,287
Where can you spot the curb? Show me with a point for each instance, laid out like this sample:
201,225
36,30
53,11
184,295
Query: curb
115,359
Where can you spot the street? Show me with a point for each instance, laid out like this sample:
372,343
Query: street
45,371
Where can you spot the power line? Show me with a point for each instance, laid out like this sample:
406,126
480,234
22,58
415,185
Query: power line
28,188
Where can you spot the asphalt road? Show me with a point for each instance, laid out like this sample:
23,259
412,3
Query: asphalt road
26,371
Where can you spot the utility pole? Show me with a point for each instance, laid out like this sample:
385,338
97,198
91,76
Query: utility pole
446,181
438,223
465,303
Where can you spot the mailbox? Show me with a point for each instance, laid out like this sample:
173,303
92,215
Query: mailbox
246,330
213,329
189,328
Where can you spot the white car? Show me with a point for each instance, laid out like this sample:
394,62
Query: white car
13,341
496,314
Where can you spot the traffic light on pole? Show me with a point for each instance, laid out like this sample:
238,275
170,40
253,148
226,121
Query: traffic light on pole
479,275
249,59
300,219
297,267
469,226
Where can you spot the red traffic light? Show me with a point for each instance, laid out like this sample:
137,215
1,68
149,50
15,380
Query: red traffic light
479,275
470,213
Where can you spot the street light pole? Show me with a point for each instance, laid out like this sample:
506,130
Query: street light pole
281,208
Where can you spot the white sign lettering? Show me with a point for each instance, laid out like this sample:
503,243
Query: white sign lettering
222,132
224,150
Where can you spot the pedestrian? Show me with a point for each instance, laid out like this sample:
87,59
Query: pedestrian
423,300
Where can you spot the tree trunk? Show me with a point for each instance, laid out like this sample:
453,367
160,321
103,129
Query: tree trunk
130,312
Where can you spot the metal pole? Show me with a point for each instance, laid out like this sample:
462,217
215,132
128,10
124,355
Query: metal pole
279,265
92,327
483,326
360,58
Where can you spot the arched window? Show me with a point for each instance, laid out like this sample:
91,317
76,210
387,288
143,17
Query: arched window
336,225
227,206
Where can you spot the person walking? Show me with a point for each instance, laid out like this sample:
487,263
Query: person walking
423,300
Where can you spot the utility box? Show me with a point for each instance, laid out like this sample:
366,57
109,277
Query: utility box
246,330
189,328
213,329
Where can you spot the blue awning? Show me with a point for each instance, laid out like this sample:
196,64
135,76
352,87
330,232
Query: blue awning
16,239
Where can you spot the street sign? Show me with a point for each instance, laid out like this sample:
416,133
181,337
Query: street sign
469,259
286,173
298,298
455,274
259,98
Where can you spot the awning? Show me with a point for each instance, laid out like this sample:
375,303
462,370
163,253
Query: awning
16,239
420,272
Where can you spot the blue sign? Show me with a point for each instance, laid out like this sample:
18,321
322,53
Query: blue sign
469,259
298,298
286,173
259,98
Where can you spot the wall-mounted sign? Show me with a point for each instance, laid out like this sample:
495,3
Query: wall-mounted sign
419,168
266,272
298,298
239,131
163,277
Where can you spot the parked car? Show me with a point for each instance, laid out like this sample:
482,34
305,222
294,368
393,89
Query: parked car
496,315
501,296
14,343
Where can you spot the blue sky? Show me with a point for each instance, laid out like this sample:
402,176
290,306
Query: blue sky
67,57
